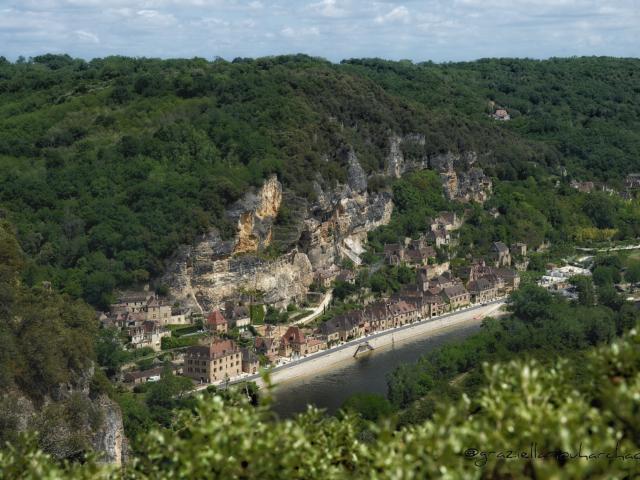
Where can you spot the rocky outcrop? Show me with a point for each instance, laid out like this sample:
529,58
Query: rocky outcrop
109,438
211,271
461,178
255,214
472,185
201,280
69,421
335,226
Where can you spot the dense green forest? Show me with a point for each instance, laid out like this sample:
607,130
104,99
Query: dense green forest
107,166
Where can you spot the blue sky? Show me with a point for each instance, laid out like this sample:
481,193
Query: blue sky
435,30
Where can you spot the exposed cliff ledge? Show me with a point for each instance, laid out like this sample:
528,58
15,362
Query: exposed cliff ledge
211,271
255,214
70,421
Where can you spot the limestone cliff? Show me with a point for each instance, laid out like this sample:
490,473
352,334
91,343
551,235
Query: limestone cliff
212,271
255,214
334,227
69,421
462,178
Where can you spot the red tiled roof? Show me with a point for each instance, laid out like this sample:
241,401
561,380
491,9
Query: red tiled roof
216,318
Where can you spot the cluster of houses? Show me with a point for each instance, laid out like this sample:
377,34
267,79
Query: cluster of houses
631,185
435,292
144,317
430,296
421,251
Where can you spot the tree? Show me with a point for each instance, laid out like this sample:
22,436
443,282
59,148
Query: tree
584,285
369,406
531,303
632,273
109,351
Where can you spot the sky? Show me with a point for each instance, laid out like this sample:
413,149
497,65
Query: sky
437,30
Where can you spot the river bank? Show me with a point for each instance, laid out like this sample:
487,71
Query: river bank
326,359
322,361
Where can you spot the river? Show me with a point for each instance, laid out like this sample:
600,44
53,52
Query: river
328,390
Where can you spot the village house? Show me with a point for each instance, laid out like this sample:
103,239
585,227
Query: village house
150,375
436,302
376,317
295,343
180,316
402,313
158,311
443,281
439,237
500,254
250,361
267,346
347,276
510,279
147,334
343,327
324,277
216,323
448,220
217,361
419,255
394,253
482,290
237,316
133,302
456,295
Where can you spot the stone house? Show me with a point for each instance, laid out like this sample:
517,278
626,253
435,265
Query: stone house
457,296
347,276
343,327
217,361
158,311
216,323
147,334
250,362
482,290
181,316
267,346
439,237
500,254
133,302
448,220
393,253
402,312
509,278
295,342
434,302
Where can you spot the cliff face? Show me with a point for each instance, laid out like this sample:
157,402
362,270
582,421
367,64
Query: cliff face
69,421
211,271
255,214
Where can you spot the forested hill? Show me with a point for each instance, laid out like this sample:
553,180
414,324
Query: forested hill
107,166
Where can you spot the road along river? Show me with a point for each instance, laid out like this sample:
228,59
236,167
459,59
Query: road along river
326,381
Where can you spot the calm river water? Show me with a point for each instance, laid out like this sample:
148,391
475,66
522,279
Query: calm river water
329,389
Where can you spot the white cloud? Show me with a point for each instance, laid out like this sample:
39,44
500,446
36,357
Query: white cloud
291,32
329,8
87,36
397,15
